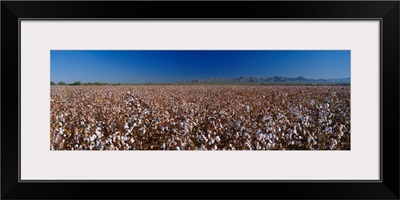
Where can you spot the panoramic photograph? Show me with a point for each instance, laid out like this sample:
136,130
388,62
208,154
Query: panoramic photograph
110,100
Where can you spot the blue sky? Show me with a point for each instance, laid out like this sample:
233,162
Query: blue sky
141,66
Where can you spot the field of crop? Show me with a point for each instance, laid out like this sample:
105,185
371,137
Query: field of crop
200,117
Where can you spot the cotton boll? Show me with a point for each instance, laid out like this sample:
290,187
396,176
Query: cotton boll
93,137
218,139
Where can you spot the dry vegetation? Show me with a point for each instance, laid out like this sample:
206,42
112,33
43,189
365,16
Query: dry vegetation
200,117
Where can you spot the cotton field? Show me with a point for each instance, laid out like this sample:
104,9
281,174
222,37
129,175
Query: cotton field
200,117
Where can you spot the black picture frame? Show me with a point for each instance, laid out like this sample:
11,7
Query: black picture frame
13,11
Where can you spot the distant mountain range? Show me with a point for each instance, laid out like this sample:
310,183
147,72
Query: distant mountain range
268,80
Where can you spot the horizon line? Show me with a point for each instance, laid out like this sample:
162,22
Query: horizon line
199,79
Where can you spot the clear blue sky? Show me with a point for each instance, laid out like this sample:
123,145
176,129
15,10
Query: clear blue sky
141,66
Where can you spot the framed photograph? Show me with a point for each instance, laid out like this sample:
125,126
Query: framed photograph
275,100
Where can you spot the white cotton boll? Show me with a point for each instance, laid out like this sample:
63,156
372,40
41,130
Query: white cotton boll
205,138
275,137
343,128
93,137
341,134
267,137
309,139
238,124
264,119
183,145
76,136
183,124
218,139
92,145
98,133
315,142
334,141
